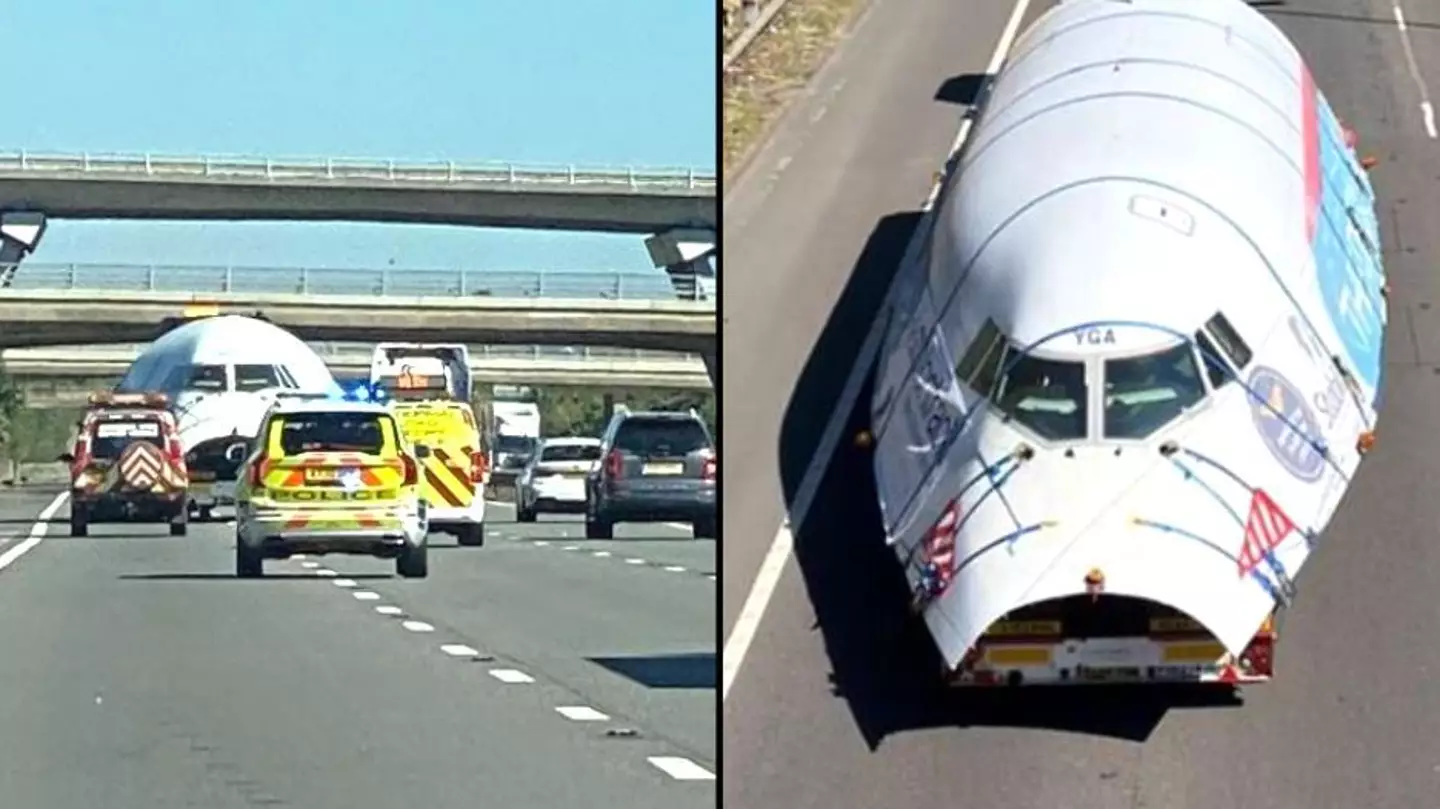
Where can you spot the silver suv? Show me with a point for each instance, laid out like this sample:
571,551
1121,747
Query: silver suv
654,467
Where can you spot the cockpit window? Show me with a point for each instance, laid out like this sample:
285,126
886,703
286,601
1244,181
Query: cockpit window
251,378
206,378
1143,394
981,362
1047,396
1230,340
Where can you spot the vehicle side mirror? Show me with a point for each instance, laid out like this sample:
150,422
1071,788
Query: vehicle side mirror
65,457
235,453
422,452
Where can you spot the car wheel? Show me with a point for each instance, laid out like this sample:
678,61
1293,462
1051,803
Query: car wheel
705,529
414,561
598,528
470,535
249,564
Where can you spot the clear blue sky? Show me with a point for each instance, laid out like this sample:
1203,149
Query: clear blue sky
542,81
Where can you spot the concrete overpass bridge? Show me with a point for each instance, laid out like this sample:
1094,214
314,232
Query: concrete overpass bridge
677,207
80,305
65,376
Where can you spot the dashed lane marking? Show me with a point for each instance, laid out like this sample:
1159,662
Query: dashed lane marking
326,573
366,595
417,626
309,565
540,543
388,609
674,568
512,676
344,582
459,650
634,561
581,713
37,532
681,769
600,554
571,548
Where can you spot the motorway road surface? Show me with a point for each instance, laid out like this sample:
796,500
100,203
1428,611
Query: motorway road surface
137,672
833,707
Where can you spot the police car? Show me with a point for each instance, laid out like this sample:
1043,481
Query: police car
327,476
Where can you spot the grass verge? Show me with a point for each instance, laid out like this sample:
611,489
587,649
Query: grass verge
757,88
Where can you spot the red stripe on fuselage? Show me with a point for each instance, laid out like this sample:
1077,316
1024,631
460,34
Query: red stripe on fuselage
1310,134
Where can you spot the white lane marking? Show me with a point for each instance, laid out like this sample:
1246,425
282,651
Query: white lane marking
326,573
309,565
681,769
298,556
512,676
344,582
459,650
768,577
600,554
365,595
37,532
674,568
386,609
1427,110
417,626
540,543
711,577
634,561
581,713
571,548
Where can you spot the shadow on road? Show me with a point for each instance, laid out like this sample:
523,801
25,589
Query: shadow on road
695,670
962,90
883,662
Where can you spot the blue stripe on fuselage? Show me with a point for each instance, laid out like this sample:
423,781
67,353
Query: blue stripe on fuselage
1351,276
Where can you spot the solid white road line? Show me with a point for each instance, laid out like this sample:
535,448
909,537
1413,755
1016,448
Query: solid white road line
37,532
512,676
766,579
581,713
681,769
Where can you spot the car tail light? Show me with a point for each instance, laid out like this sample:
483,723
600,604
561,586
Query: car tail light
256,472
411,470
614,464
479,467
176,454
707,472
1258,659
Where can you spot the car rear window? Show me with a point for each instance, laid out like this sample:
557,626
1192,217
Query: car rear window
110,438
669,438
571,452
332,432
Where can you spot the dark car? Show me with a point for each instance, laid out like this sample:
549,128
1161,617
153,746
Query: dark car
654,467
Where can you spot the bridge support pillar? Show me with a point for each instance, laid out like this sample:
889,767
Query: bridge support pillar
20,234
686,254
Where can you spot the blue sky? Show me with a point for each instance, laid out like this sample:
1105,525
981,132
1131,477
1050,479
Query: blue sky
541,81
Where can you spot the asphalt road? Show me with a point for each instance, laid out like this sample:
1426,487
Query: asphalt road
138,672
832,707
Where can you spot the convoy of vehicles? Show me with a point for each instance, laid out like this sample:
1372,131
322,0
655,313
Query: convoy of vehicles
1119,400
329,476
126,464
553,481
428,387
655,467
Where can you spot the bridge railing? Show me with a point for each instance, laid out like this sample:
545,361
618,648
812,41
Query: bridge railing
446,172
656,285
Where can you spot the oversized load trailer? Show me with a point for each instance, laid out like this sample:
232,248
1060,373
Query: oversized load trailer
1135,360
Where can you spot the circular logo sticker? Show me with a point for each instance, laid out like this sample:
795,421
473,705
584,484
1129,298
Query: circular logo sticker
1290,442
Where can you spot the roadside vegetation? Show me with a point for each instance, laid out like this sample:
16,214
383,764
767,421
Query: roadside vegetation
779,64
